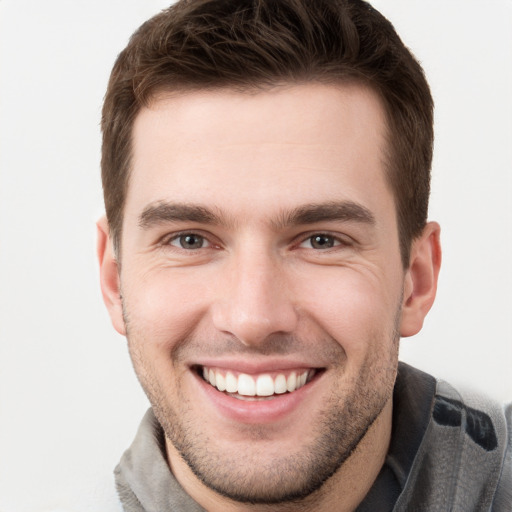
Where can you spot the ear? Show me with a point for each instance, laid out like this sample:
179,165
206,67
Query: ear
109,276
420,283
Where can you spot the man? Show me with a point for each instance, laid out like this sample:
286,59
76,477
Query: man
266,171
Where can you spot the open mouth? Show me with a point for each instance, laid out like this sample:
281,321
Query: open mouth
263,386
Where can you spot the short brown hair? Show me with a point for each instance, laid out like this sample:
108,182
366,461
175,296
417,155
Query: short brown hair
251,44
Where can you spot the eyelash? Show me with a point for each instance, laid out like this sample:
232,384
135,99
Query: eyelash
167,241
336,240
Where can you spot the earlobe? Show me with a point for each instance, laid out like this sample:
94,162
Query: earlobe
109,276
420,283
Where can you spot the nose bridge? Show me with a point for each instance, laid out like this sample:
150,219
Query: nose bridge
255,302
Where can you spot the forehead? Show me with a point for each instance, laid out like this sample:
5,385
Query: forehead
285,146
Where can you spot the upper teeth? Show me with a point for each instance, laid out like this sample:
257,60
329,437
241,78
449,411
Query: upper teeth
261,385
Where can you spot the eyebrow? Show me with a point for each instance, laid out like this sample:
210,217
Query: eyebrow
332,211
163,212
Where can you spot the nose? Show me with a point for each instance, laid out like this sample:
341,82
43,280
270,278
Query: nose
256,299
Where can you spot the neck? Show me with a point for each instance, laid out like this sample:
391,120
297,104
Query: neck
343,492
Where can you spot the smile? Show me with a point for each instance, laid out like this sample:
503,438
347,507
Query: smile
254,387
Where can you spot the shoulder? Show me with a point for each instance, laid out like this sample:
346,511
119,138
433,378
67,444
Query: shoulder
464,460
488,425
503,498
484,447
484,421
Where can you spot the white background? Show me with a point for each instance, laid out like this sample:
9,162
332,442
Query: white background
69,402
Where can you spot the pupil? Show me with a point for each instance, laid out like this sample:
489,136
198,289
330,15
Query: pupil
322,241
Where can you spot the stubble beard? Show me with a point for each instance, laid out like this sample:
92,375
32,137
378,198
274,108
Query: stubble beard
243,475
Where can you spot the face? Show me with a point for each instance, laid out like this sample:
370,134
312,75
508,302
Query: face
262,283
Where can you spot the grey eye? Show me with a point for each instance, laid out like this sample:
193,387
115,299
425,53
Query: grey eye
322,241
189,241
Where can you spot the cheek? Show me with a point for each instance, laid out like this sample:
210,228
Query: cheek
163,307
356,308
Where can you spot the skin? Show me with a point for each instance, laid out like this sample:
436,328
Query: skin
253,178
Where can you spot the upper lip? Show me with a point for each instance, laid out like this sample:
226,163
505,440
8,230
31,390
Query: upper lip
257,367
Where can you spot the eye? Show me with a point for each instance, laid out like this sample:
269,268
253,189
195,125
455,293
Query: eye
189,241
320,241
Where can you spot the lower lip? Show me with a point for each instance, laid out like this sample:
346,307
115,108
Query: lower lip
257,411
